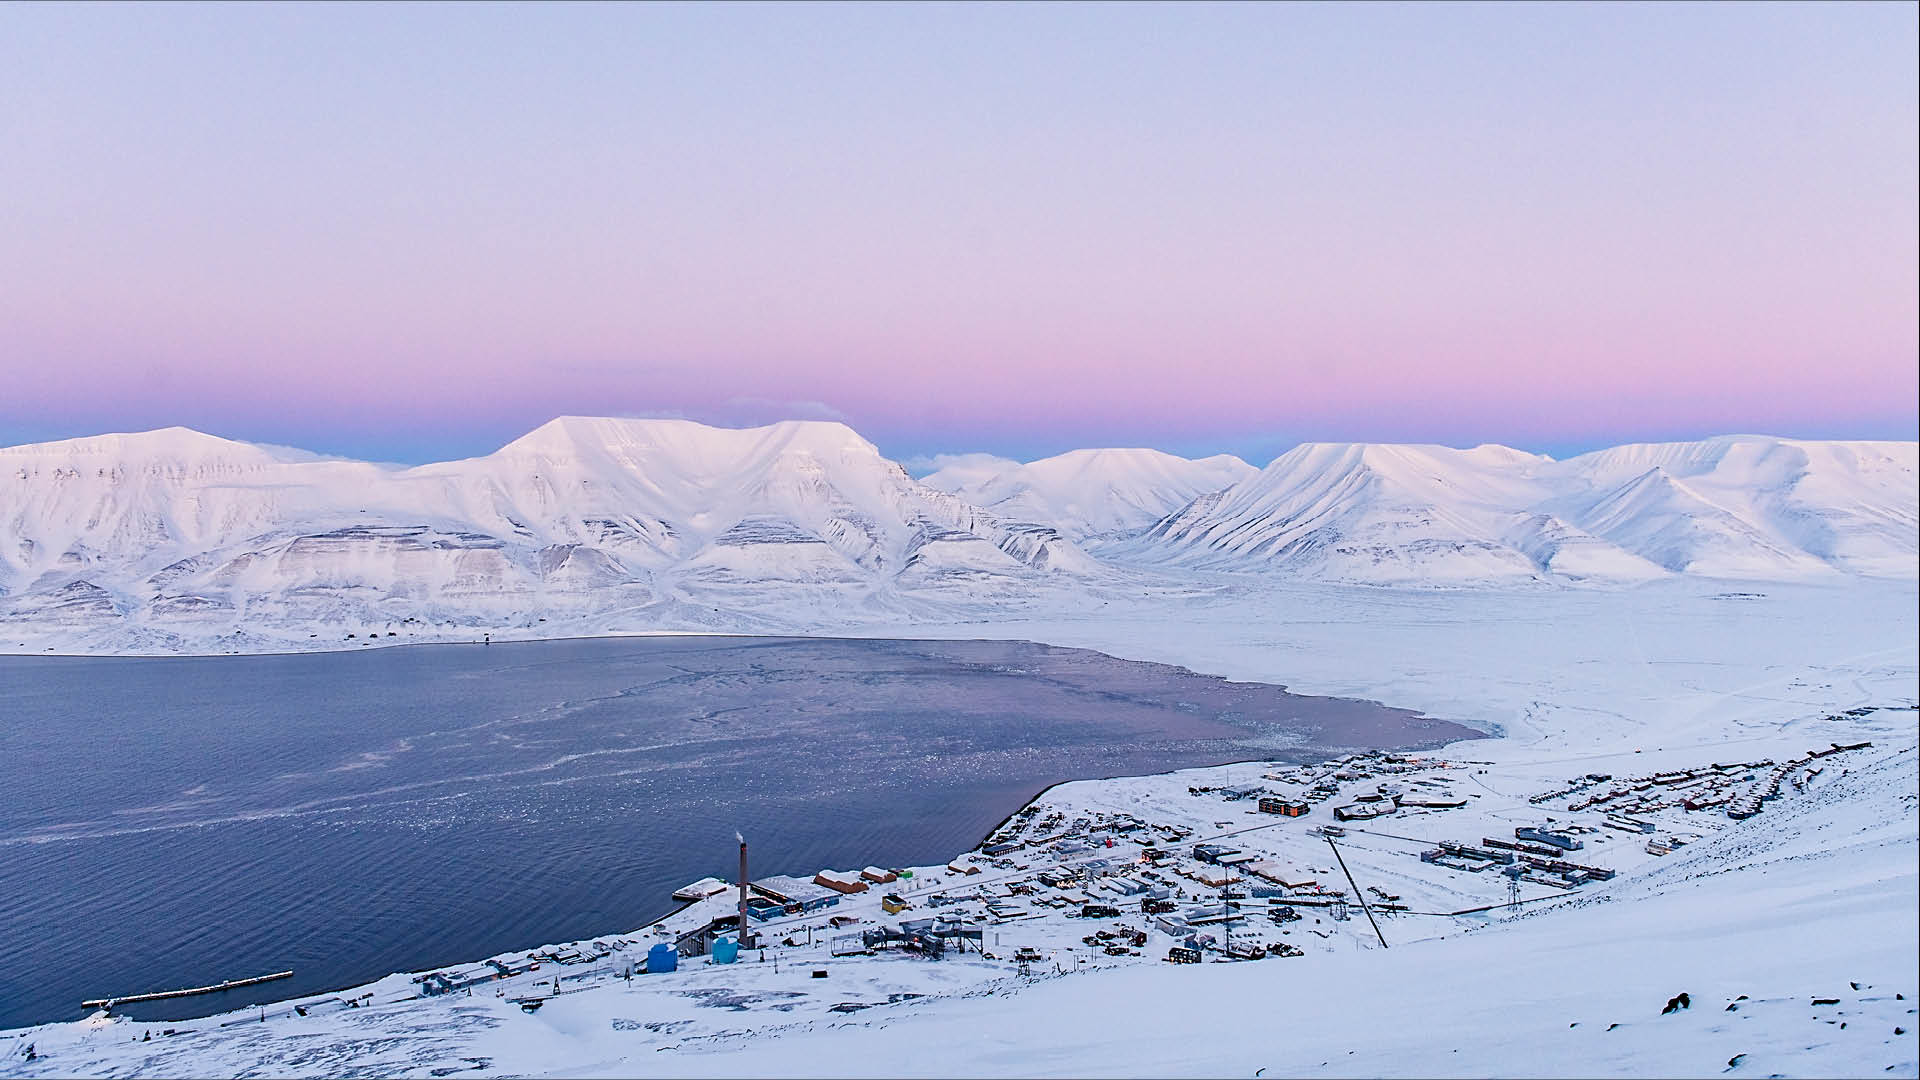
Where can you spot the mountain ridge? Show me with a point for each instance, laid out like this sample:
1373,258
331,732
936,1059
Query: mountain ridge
180,535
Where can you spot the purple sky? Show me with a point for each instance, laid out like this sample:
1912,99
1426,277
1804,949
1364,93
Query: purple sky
415,232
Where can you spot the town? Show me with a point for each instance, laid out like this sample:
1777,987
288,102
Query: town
1238,863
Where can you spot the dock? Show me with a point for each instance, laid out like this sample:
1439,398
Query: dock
230,984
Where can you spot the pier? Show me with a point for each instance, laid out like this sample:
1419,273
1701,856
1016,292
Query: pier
230,984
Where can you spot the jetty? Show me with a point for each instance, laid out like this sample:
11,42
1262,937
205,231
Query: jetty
230,984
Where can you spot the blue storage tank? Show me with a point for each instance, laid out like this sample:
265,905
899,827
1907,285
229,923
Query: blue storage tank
661,959
725,950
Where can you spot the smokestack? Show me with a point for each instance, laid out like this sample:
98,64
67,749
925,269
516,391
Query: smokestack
742,935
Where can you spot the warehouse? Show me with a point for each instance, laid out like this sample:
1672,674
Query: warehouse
797,895
840,881
1548,836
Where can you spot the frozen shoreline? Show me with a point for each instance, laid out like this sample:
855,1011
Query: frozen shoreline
1661,678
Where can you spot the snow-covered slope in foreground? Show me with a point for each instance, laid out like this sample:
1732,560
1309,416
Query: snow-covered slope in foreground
1816,903
1816,894
1792,936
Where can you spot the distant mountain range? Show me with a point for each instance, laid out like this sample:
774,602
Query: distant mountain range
174,538
1735,507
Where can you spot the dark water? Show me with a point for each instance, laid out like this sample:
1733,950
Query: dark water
175,822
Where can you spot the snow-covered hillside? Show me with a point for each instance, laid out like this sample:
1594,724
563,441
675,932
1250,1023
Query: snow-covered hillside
1753,506
1791,933
177,535
1743,507
1088,494
174,540
1384,514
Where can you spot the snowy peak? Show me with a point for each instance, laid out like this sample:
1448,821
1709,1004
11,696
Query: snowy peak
674,489
684,441
178,535
1362,512
181,532
1094,494
1670,524
1794,505
140,500
1738,506
960,472
1414,474
174,447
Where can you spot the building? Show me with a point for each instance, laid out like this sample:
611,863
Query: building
761,908
879,875
701,889
1547,836
439,982
1431,802
1283,807
1212,853
796,895
1214,876
1281,875
841,881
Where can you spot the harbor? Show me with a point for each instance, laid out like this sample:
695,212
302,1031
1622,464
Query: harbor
1149,880
195,991
1229,864
108,860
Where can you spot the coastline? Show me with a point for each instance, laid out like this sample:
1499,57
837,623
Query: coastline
1652,681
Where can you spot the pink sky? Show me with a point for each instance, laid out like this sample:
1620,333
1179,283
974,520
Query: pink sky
418,232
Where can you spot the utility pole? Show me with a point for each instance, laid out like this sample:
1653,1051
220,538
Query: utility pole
1356,892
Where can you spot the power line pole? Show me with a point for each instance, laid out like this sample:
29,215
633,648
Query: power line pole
1357,893
1226,924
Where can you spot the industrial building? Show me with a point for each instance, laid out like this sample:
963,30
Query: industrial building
1561,840
841,881
701,889
795,895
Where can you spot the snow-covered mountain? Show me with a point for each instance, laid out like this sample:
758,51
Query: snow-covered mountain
1738,507
175,532
1383,514
1090,494
174,538
1754,506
